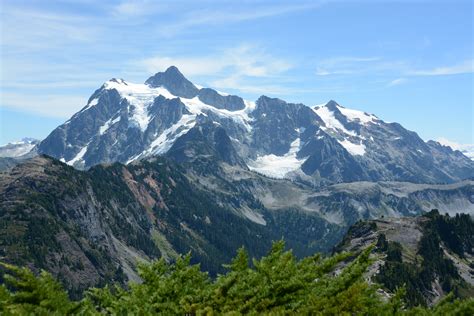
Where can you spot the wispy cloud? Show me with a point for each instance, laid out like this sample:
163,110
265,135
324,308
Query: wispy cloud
229,68
132,9
61,106
396,82
197,18
344,65
382,69
32,29
462,68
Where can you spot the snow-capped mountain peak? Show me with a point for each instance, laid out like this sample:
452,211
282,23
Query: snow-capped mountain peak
169,115
173,80
331,110
18,148
346,125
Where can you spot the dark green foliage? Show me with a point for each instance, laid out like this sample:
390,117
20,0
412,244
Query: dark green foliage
394,252
396,274
277,284
382,243
68,221
456,232
24,294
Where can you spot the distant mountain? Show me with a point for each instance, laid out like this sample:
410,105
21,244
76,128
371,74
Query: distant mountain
14,153
19,148
466,149
124,122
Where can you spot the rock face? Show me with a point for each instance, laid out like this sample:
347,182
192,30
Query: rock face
92,227
206,140
429,255
175,83
125,122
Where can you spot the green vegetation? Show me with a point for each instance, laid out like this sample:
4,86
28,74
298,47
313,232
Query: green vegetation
454,233
276,284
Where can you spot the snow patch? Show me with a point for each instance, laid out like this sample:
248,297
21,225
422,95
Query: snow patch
224,94
140,97
355,115
278,166
166,139
353,149
18,148
196,107
108,124
79,156
92,103
330,120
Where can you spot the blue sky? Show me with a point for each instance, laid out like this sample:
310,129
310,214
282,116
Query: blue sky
405,61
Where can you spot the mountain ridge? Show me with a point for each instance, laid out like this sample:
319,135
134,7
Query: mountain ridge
318,145
430,255
92,227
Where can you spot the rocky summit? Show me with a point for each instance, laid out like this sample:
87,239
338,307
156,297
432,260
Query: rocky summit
317,145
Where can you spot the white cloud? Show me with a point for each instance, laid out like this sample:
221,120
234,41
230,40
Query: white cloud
375,66
197,18
190,66
345,65
466,149
33,29
249,60
396,82
465,67
228,68
137,8
240,83
61,106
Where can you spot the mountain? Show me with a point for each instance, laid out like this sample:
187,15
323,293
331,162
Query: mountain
14,153
321,145
163,168
19,148
466,149
430,255
92,227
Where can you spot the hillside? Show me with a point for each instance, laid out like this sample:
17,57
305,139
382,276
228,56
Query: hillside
92,227
430,255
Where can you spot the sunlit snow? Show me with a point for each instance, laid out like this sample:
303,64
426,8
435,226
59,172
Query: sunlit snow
330,120
140,97
16,149
353,149
79,156
92,103
355,115
278,166
108,124
350,140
